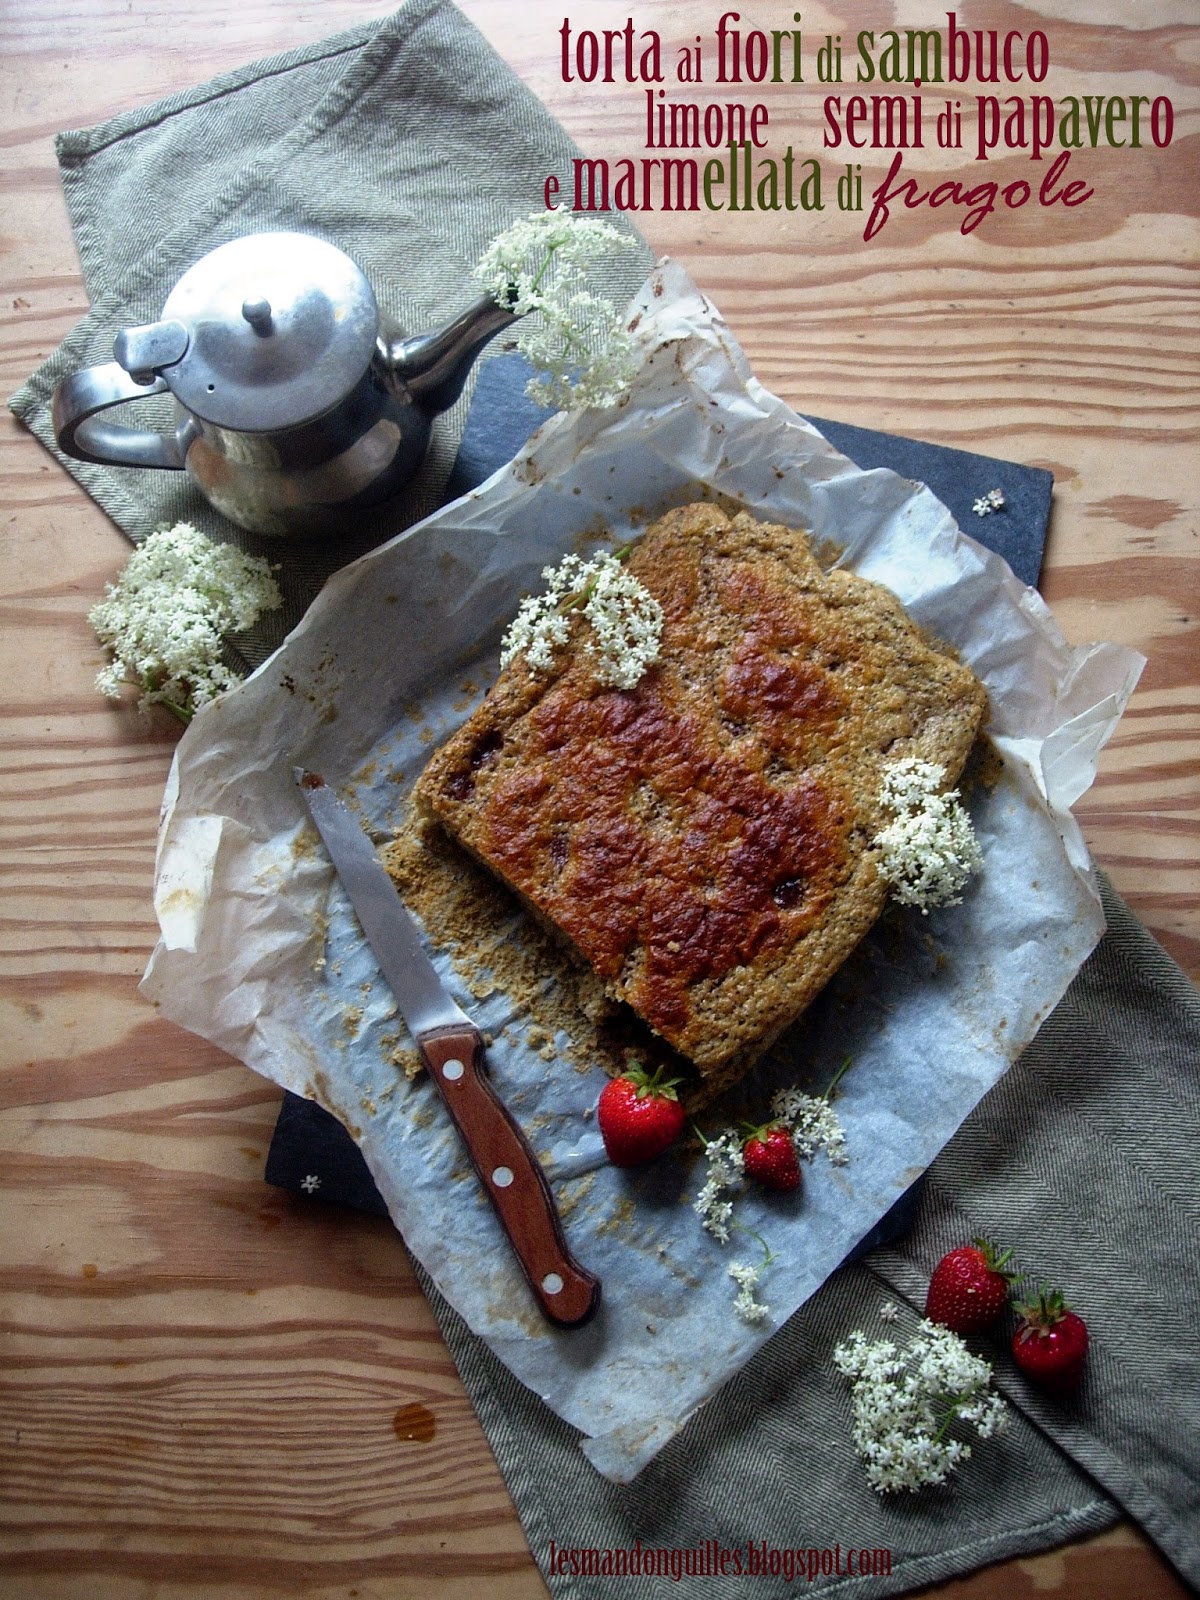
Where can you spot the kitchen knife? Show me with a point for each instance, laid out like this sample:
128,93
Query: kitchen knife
453,1051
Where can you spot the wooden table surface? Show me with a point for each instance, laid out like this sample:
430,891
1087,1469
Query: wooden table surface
202,1375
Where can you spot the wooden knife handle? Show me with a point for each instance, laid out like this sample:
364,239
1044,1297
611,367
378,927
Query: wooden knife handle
511,1174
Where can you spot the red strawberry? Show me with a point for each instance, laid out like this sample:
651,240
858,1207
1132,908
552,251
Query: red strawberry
769,1157
1051,1343
639,1116
969,1287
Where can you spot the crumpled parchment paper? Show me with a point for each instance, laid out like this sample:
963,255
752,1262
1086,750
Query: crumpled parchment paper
261,954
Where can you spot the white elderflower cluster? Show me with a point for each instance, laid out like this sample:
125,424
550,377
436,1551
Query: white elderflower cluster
905,1402
814,1125
626,623
747,1277
626,620
930,849
165,617
539,266
993,500
714,1204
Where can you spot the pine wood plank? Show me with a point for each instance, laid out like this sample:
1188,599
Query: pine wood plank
207,1385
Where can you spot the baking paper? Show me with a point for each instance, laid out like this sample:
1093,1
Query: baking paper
261,954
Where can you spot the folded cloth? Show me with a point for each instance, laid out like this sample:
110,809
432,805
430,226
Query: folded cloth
1082,1158
767,1472
411,144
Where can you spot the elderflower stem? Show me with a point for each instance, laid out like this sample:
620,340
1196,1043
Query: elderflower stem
154,684
148,686
768,1254
956,1406
580,597
836,1079
179,711
544,268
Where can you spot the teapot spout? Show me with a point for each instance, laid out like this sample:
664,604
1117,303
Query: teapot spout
433,367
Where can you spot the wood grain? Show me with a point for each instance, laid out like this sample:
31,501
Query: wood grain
212,1390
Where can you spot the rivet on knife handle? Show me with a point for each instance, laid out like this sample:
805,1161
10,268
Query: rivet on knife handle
511,1175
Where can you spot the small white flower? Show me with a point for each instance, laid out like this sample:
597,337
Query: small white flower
747,1278
930,849
904,1403
626,623
814,1125
311,1183
626,620
538,269
165,616
993,500
714,1204
889,1311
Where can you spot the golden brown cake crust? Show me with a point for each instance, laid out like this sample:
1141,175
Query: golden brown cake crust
703,840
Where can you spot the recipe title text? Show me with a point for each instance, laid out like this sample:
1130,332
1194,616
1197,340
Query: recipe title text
982,91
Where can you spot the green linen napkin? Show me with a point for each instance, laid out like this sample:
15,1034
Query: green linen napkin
411,144
1082,1157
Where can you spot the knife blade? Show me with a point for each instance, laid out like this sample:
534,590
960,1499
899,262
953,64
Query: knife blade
453,1051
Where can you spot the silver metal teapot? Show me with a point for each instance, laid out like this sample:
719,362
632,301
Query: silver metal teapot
297,404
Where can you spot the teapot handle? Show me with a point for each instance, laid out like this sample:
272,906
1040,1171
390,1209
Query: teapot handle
79,397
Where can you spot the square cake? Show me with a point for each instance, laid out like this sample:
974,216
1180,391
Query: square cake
705,839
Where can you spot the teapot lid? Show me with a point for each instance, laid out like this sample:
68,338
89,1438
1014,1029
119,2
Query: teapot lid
281,326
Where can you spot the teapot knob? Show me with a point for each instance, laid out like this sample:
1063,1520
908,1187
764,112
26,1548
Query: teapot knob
258,314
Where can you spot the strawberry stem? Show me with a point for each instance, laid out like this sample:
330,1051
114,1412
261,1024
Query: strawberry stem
651,1084
1045,1311
997,1260
761,1130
